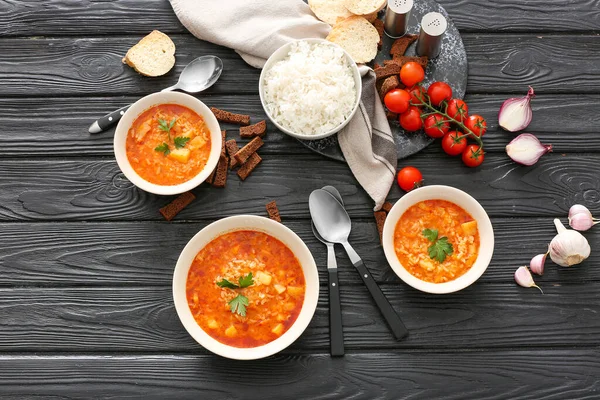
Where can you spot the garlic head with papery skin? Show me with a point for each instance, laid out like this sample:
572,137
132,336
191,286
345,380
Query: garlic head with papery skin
568,247
523,278
515,114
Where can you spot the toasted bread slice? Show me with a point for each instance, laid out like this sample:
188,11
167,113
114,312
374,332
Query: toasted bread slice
357,36
329,11
154,55
364,7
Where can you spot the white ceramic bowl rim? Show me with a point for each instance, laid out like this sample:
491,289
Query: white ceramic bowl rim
281,53
144,104
256,223
460,198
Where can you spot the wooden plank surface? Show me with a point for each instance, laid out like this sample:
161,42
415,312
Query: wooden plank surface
72,189
80,18
484,316
145,253
58,126
517,374
93,67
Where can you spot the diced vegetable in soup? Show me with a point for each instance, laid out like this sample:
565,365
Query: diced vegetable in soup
436,241
245,288
168,144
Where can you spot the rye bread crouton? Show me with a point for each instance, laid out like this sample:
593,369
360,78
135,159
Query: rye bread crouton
246,151
247,167
258,129
273,211
176,206
229,117
221,173
387,70
232,148
378,24
400,45
389,83
401,60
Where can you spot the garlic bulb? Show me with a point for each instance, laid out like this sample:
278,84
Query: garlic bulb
568,247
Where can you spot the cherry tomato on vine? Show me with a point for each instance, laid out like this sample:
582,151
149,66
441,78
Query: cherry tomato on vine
397,100
416,94
473,156
436,126
458,110
454,143
438,92
411,74
477,125
411,119
409,178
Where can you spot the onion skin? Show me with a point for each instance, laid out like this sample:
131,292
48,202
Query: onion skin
526,149
515,113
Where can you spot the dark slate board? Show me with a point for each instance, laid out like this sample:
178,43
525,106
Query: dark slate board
450,66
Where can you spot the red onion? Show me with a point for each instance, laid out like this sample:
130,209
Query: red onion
515,113
526,149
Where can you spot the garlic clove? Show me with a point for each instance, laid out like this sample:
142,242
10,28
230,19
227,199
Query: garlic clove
579,209
568,247
537,264
526,149
523,278
581,222
515,114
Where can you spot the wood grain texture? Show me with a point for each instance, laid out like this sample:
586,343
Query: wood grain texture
74,189
80,18
518,374
145,253
497,63
144,319
58,126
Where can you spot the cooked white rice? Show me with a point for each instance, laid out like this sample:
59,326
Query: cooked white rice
312,90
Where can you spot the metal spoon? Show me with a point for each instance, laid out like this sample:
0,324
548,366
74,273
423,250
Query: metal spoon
198,75
334,225
336,330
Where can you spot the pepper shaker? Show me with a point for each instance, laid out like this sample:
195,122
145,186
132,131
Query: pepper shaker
396,17
433,26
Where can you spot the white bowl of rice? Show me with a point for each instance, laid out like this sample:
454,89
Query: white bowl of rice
310,88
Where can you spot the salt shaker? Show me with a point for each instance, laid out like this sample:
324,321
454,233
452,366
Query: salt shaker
433,26
396,17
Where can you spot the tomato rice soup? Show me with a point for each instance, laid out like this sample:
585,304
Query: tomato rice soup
168,144
436,241
245,288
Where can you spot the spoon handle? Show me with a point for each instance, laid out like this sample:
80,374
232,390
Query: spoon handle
382,302
336,331
108,120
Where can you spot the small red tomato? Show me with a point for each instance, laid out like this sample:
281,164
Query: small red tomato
454,143
477,125
458,110
397,100
416,94
411,74
438,92
436,126
473,156
409,178
411,119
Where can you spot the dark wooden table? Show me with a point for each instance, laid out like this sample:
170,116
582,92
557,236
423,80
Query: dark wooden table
86,260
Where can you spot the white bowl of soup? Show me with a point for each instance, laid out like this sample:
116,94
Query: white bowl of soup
167,143
438,239
245,287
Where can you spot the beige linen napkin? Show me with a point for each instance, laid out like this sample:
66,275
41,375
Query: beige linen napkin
255,29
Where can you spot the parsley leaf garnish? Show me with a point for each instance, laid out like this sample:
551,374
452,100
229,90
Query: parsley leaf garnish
163,148
440,248
246,281
166,126
238,305
180,141
431,234
226,284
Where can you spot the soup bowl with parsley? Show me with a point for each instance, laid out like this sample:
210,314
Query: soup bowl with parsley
245,287
167,143
438,239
